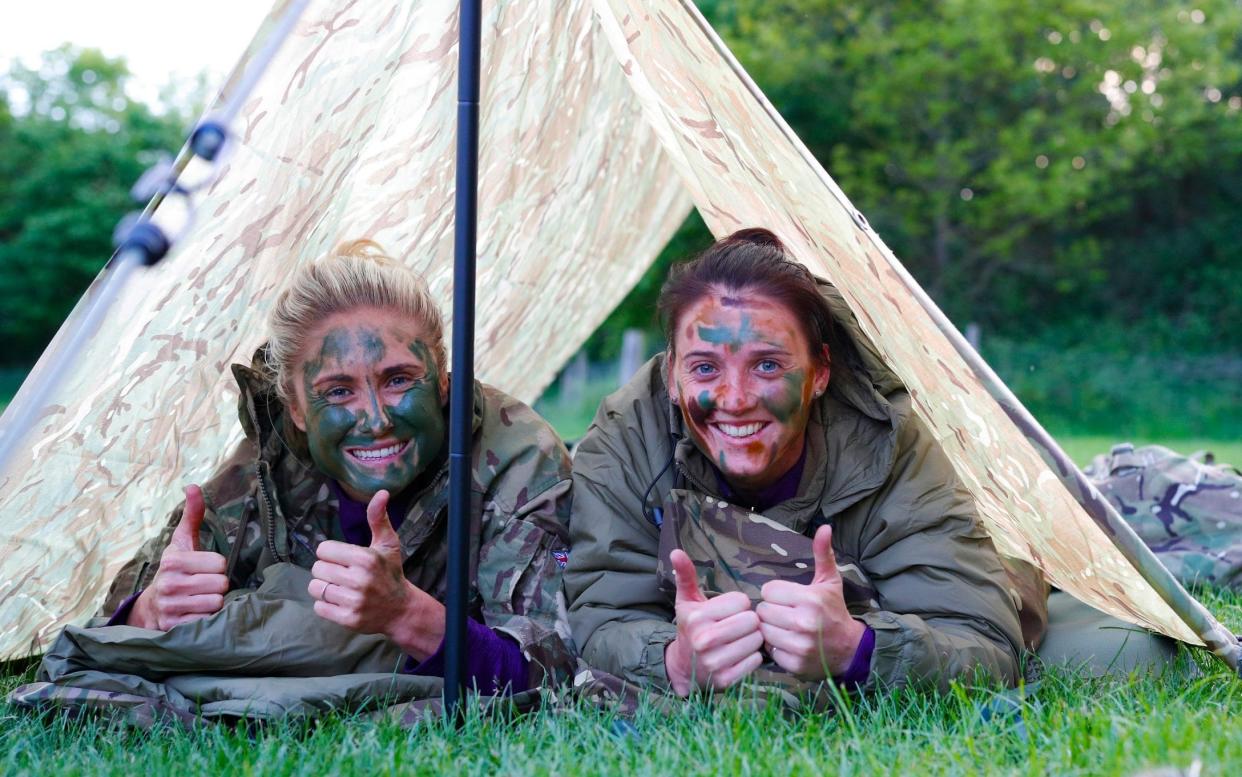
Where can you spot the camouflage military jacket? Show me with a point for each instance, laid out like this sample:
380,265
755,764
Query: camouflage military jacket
267,504
919,568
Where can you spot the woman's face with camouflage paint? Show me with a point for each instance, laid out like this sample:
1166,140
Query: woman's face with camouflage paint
370,397
743,375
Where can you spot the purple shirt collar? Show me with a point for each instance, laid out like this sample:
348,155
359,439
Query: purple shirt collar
785,488
353,514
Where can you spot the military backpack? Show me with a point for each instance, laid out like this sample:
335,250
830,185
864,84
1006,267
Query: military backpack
1187,509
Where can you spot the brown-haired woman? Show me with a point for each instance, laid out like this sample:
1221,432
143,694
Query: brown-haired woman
763,462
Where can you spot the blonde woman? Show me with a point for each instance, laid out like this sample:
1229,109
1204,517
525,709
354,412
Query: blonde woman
344,472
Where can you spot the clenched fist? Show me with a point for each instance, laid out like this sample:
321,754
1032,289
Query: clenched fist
190,583
717,641
365,589
807,628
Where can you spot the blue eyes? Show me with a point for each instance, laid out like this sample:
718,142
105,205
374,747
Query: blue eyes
338,394
763,367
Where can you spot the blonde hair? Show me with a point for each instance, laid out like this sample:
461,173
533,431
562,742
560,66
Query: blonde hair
357,274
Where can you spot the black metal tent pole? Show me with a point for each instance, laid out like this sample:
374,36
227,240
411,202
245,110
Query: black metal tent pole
461,402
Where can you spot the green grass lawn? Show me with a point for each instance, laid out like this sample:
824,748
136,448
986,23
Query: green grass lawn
1082,447
1066,725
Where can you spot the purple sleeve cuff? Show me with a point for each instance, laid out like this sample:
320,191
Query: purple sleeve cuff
860,667
494,662
121,616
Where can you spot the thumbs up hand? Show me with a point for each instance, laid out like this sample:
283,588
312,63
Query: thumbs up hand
807,628
190,583
365,589
717,641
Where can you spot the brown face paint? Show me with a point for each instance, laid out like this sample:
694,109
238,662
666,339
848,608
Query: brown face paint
696,419
701,407
745,381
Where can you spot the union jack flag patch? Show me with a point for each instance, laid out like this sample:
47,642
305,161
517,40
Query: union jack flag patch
562,557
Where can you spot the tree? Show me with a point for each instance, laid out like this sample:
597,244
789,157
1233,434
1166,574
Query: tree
71,146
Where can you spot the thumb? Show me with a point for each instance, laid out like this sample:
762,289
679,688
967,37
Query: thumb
383,536
825,559
687,578
185,536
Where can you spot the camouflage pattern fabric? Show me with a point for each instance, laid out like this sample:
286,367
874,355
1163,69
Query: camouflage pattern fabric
265,656
1187,509
734,549
268,505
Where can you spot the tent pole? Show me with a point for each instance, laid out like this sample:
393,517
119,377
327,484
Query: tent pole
461,407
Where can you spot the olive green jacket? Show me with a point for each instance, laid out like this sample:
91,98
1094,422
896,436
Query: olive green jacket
267,504
904,529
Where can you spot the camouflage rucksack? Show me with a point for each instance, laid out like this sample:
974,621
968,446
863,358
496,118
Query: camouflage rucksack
1187,509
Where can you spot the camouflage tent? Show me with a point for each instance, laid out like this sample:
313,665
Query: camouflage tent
602,122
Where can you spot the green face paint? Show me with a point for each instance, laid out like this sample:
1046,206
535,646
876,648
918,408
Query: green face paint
728,336
374,416
788,399
707,403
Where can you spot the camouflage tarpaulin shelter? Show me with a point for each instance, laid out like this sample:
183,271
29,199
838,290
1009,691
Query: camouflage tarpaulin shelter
602,121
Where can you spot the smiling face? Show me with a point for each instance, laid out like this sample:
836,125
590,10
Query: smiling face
370,397
742,373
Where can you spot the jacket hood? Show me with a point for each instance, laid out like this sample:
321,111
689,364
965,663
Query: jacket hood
860,376
261,411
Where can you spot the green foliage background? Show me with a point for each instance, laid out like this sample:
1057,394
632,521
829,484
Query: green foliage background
67,162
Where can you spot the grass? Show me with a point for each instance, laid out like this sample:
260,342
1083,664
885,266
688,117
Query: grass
1067,725
1081,448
